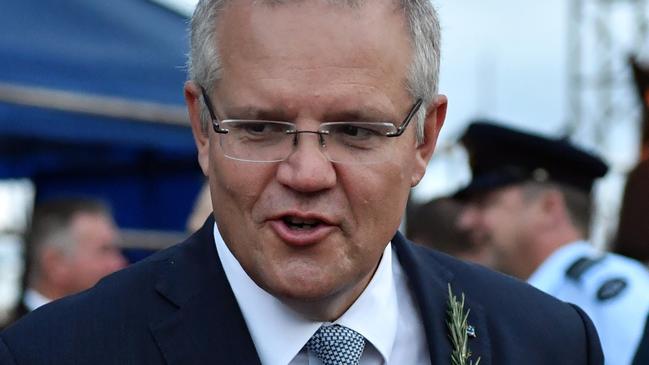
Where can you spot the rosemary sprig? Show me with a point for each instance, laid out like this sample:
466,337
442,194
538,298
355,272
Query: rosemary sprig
457,327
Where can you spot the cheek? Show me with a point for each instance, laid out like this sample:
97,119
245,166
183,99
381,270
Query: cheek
493,220
504,226
80,272
377,194
235,186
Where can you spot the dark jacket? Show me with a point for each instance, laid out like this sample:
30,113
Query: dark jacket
177,307
642,356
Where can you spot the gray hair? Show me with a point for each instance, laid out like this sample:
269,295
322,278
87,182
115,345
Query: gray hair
205,67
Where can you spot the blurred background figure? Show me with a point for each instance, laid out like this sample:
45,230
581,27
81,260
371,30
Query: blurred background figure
433,224
530,201
641,77
97,115
71,244
632,237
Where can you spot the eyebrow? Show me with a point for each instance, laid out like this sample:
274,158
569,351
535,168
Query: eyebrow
251,112
369,114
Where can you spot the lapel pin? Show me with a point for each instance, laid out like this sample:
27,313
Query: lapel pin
470,331
459,330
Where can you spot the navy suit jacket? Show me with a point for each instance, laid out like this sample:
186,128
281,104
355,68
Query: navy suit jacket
642,356
177,307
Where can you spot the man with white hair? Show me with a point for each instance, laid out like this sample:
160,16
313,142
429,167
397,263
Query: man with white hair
312,121
70,246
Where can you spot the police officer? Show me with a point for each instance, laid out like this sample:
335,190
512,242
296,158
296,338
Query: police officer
529,200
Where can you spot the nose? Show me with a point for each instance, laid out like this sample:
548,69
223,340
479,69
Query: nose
307,169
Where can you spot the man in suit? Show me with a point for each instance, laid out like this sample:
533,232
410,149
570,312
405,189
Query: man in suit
642,356
70,245
312,120
529,201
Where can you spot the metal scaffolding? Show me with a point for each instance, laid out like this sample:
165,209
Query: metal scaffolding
603,34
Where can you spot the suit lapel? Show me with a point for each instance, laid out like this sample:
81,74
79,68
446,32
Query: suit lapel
205,325
429,280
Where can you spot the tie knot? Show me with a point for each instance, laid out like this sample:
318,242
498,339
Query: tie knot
337,345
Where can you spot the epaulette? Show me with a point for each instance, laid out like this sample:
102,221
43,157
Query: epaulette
581,265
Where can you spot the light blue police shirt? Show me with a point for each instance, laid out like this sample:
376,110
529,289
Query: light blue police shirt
612,289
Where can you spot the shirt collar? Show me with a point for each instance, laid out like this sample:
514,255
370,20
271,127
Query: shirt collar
545,275
266,316
33,299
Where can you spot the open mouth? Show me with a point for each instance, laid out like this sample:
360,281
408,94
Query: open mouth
301,224
302,229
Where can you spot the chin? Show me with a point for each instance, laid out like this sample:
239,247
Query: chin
307,287
315,303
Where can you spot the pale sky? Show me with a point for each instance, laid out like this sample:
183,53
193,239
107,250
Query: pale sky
501,60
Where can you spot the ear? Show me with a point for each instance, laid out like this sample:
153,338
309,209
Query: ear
193,99
436,113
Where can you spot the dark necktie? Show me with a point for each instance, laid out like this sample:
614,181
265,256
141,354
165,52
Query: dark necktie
337,345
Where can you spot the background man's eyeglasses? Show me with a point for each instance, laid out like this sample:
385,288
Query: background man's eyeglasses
274,141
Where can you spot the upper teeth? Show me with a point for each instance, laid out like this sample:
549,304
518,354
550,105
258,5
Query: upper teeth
299,221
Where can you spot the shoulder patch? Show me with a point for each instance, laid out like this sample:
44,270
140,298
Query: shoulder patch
581,265
611,288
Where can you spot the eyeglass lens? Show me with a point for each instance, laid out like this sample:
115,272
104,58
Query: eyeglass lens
267,141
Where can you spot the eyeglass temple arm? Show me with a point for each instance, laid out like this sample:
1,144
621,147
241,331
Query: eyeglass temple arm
406,121
215,121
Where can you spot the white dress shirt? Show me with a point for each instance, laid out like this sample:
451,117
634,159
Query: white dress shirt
385,314
34,299
619,317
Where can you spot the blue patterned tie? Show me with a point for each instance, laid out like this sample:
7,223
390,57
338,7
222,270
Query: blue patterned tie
337,345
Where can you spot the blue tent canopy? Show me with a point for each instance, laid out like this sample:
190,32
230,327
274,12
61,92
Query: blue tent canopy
91,103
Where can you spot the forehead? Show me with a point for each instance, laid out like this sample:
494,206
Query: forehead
510,195
314,51
92,224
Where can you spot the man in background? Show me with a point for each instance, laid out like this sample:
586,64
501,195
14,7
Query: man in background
432,224
71,244
632,238
530,201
